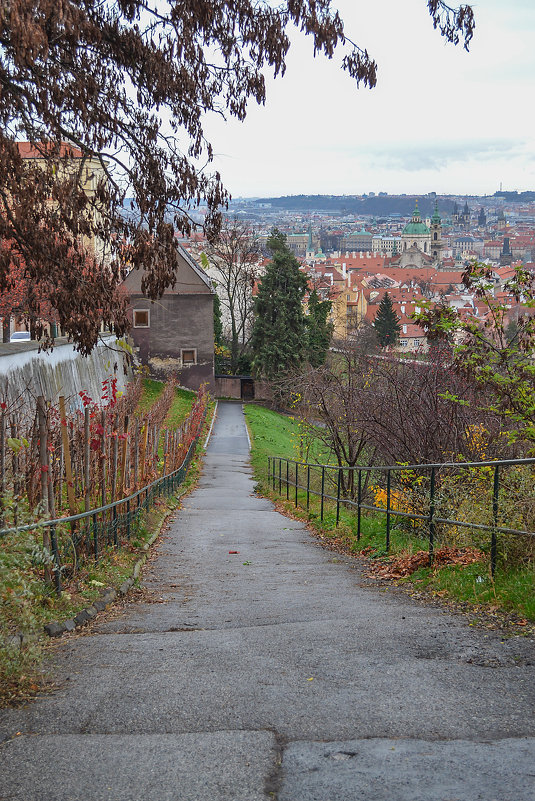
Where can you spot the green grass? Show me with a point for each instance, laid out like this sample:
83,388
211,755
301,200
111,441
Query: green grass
279,435
180,408
511,590
149,395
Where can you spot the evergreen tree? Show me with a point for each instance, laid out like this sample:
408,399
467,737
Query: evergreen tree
279,331
386,322
218,325
319,329
221,352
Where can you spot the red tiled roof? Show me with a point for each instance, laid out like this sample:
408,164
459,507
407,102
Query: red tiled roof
29,151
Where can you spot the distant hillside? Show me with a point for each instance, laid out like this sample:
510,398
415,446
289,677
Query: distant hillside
377,206
516,197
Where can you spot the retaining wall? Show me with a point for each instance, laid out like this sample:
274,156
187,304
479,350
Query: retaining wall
26,373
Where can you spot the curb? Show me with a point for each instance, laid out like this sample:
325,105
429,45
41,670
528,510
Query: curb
107,597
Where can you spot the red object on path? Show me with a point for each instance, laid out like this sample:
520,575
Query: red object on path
233,551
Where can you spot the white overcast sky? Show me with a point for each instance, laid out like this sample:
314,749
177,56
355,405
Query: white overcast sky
440,119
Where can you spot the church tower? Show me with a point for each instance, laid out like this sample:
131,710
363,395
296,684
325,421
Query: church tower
310,252
436,234
465,217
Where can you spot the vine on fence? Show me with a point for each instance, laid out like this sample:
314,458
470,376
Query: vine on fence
55,464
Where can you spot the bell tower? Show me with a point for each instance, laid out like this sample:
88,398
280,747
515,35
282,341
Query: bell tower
436,235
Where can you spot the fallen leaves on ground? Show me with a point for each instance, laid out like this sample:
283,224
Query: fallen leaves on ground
395,567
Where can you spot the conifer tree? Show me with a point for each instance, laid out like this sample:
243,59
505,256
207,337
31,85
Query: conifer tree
386,322
319,329
279,332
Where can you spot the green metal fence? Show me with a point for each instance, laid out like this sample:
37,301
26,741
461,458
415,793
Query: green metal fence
492,497
94,530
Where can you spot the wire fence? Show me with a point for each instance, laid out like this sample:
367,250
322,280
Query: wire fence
89,533
478,503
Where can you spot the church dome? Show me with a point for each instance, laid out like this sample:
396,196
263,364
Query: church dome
413,228
416,227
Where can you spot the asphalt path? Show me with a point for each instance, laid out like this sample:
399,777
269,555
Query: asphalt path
275,672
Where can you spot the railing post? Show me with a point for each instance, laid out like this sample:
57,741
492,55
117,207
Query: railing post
95,537
431,516
494,543
287,479
55,552
388,477
338,497
296,482
308,487
322,490
115,537
359,501
269,470
280,478
128,520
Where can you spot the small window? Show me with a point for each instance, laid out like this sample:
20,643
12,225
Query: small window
189,356
141,318
403,343
416,343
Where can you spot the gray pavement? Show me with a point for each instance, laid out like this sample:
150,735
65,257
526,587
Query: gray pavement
276,672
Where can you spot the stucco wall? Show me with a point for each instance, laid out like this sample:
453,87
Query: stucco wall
177,322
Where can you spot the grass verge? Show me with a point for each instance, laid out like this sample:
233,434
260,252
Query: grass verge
511,590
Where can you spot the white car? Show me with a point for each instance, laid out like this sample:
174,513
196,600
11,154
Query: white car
20,336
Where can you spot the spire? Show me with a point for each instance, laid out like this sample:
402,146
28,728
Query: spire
435,219
416,213
310,246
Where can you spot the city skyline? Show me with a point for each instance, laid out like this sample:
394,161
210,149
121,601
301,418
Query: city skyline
440,119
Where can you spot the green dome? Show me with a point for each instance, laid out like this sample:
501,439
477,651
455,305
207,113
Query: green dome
416,228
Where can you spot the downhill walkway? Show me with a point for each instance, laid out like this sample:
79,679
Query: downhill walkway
273,673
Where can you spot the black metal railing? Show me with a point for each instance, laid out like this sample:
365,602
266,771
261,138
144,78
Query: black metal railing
426,494
107,525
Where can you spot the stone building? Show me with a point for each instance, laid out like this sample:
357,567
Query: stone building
175,334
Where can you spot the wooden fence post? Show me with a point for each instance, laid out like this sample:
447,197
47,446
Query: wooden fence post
67,457
2,465
87,466
103,472
124,453
43,467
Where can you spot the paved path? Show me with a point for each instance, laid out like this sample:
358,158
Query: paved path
273,673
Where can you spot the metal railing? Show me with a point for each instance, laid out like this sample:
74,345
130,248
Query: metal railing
112,523
426,491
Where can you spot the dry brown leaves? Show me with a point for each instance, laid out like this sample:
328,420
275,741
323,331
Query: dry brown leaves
395,567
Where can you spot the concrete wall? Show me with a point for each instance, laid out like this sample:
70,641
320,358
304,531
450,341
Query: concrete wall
25,373
230,386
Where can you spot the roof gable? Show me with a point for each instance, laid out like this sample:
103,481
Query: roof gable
190,279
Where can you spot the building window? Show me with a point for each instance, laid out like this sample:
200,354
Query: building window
416,343
189,357
141,318
403,343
